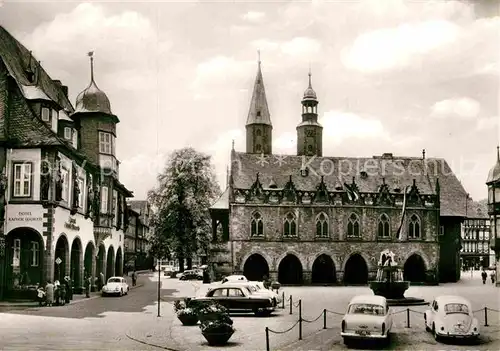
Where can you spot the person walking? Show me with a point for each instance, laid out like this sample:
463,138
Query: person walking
484,275
492,276
67,288
88,283
49,291
134,278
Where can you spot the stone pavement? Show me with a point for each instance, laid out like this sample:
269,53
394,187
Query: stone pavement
167,332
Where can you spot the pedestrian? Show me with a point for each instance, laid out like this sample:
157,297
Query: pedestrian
484,275
101,280
62,294
49,291
67,287
88,282
492,276
134,278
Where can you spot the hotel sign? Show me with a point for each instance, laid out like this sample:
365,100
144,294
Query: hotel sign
24,216
71,224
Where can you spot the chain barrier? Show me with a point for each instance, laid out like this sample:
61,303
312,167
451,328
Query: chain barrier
313,320
284,331
418,312
333,312
492,309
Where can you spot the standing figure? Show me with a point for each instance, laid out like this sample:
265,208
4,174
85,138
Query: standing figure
134,278
484,275
492,276
102,280
49,291
67,287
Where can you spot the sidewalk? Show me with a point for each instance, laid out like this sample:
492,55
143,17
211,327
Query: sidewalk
21,304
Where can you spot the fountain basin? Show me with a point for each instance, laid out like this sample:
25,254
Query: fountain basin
390,290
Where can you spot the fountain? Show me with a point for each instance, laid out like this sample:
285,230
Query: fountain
390,283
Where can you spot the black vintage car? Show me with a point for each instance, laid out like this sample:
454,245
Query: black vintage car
191,275
238,298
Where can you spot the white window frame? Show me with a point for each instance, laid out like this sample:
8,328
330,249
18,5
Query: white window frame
45,114
35,254
106,143
104,199
21,180
68,133
17,250
74,138
55,115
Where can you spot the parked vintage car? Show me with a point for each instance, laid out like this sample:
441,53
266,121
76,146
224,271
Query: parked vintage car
192,274
258,288
239,298
234,278
115,286
367,317
451,317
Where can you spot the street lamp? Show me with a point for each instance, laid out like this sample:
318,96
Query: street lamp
493,183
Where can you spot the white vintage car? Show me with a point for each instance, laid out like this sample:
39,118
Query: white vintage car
367,317
451,317
258,288
115,286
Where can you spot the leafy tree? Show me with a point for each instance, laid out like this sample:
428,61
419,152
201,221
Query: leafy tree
181,221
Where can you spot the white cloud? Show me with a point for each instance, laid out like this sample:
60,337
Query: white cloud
253,16
463,107
484,124
397,47
286,143
265,45
339,126
301,46
220,71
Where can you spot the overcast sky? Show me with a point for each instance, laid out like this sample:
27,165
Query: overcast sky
391,75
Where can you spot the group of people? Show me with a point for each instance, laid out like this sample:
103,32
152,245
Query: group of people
56,293
484,276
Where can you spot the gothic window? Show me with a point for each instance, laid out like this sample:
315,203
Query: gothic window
289,225
257,227
322,226
258,133
414,227
258,148
309,148
258,113
384,227
353,225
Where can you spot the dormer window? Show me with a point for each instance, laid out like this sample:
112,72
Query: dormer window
45,114
67,133
106,143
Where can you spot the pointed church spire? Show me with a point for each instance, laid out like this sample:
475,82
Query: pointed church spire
259,111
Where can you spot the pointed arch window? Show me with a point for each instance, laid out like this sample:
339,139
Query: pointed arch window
384,229
258,148
290,225
353,226
258,132
414,227
322,226
257,226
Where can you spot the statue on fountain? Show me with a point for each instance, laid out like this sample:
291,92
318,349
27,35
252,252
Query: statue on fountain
389,281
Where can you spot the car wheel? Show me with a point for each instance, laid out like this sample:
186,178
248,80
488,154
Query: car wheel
275,303
347,341
427,329
434,333
103,294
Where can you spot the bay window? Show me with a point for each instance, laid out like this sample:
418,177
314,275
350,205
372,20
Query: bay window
106,143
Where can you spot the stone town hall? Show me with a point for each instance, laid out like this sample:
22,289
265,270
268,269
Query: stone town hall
309,218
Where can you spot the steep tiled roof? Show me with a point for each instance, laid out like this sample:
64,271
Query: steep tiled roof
368,174
17,59
137,205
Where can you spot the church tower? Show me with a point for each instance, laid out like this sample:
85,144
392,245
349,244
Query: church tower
259,129
309,131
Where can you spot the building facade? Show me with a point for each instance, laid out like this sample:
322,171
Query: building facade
476,252
61,203
307,218
137,237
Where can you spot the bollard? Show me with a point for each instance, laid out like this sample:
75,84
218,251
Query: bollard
300,319
486,316
324,318
407,318
291,304
267,339
283,301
